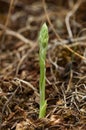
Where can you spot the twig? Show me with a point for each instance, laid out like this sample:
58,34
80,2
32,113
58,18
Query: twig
58,37
74,41
69,14
24,57
64,96
7,21
7,102
29,85
44,6
17,35
84,56
20,63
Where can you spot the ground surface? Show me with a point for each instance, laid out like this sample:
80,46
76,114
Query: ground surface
20,22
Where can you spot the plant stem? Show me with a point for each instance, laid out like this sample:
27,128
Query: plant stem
43,41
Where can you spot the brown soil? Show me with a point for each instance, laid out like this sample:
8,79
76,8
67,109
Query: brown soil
20,22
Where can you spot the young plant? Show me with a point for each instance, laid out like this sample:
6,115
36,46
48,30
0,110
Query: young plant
43,43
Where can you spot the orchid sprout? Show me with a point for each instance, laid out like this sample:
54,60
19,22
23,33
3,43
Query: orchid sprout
43,43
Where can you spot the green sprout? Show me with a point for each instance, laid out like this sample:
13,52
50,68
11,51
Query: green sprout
43,43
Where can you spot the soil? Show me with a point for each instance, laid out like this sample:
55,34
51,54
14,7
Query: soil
20,23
